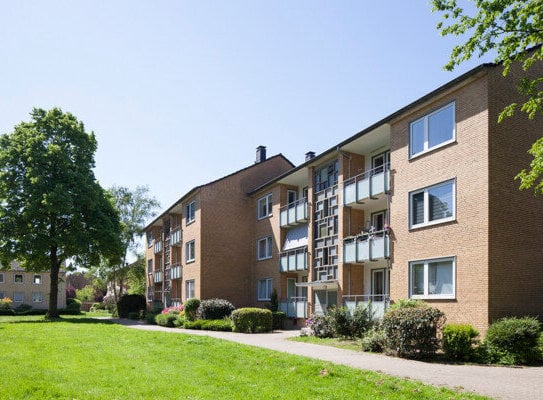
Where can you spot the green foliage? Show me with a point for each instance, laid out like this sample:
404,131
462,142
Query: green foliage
274,301
321,326
374,340
252,320
513,341
191,308
349,325
407,303
513,29
215,309
131,303
167,319
412,331
97,306
278,318
136,315
136,276
5,306
224,325
85,294
53,208
73,306
23,309
458,341
150,317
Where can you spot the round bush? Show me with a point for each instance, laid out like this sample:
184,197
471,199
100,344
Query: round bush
215,309
252,320
458,341
191,308
131,303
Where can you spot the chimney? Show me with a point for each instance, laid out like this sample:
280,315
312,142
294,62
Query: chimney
309,155
260,154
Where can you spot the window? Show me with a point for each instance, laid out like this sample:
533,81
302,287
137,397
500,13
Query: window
149,293
190,251
37,280
1,278
264,250
433,130
326,176
291,196
149,266
264,289
149,239
190,212
37,297
2,295
18,278
432,279
432,205
190,289
18,297
380,163
264,205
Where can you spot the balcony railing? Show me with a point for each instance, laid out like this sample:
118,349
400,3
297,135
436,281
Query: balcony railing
367,185
158,246
158,277
177,272
294,307
293,213
325,273
366,247
176,237
379,303
293,260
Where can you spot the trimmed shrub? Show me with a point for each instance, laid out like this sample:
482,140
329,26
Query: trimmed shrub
166,319
224,325
252,320
513,341
215,309
278,318
351,325
274,301
412,331
321,326
73,307
23,309
130,303
5,306
374,340
191,308
458,341
150,317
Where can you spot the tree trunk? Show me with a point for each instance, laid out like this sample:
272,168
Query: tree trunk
53,292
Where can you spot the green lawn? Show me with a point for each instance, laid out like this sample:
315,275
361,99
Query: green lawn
334,342
82,358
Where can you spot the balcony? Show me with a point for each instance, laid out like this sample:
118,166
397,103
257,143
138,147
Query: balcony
176,237
177,272
293,260
158,246
294,307
379,303
293,213
158,277
366,247
368,185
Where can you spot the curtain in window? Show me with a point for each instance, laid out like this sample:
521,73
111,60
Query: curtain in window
440,277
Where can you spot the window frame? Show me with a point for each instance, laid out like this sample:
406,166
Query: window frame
266,281
15,297
190,245
150,239
427,295
426,210
426,139
38,294
39,278
2,278
190,212
150,266
268,246
190,286
268,204
15,279
294,194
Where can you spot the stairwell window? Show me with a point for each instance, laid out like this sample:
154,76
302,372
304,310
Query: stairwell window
190,210
2,279
432,279
432,205
264,206
37,280
190,251
190,289
264,289
264,249
432,131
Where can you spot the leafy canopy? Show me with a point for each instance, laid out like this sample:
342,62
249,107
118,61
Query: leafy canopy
513,29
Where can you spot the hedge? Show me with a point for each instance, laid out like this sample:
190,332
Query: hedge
252,320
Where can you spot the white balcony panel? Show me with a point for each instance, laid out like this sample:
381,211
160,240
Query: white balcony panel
283,263
349,252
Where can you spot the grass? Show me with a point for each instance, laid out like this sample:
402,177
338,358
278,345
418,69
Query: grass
83,358
348,344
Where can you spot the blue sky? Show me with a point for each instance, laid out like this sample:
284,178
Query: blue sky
180,93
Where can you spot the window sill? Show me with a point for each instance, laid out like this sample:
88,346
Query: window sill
264,259
190,261
422,153
264,217
190,222
433,223
434,297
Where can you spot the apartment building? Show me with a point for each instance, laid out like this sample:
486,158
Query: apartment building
30,288
421,205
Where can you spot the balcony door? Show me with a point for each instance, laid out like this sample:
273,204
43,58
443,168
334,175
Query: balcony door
291,288
380,162
378,285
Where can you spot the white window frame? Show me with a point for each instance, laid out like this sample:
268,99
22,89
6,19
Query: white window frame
190,289
2,278
426,221
190,247
190,211
425,119
268,248
426,295
268,284
149,239
37,278
266,201
37,297
15,279
15,297
294,194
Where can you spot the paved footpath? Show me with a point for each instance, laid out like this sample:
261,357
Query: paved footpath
498,382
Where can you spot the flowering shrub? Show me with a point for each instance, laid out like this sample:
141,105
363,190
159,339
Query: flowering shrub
173,310
5,306
321,326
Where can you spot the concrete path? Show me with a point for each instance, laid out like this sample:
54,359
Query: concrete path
498,382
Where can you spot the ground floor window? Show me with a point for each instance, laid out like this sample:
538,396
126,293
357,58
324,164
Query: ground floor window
37,297
432,279
190,289
264,289
18,297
